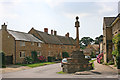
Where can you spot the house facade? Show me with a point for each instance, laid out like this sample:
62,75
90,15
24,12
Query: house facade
54,44
111,27
17,45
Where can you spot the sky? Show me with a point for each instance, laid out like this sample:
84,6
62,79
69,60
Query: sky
59,15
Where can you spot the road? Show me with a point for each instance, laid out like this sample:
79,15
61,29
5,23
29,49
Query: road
50,71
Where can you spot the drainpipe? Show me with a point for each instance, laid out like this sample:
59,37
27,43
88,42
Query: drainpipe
15,52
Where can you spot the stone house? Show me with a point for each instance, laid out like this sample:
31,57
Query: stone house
17,45
111,27
91,48
54,44
107,38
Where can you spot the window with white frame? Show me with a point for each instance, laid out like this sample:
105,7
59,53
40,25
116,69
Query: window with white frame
22,54
32,43
22,43
39,44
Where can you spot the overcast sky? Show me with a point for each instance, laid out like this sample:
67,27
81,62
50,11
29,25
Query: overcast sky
59,15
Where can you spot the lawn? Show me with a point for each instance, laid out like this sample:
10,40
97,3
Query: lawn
36,64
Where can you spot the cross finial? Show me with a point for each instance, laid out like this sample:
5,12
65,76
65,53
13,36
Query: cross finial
77,18
4,24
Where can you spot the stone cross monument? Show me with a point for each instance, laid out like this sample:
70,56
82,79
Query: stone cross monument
76,62
77,33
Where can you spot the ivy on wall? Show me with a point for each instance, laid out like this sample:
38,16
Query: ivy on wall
116,41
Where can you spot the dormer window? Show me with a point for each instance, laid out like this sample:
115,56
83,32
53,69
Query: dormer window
39,44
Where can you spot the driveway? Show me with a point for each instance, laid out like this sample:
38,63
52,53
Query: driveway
50,71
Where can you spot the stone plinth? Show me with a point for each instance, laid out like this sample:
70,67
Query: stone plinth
76,63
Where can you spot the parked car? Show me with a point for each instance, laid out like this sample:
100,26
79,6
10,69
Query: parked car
99,58
64,60
87,57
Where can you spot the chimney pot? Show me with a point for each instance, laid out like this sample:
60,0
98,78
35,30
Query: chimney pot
46,30
55,32
67,35
52,32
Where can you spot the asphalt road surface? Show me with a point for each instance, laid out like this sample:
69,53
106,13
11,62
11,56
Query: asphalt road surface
49,71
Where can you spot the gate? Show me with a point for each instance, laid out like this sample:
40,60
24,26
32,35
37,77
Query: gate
9,59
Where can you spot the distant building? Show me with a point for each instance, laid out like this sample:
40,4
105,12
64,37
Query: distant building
101,47
91,48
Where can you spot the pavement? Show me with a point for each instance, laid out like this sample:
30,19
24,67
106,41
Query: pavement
14,68
50,71
100,69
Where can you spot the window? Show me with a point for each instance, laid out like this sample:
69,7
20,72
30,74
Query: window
22,54
32,43
49,46
38,53
49,53
22,43
39,44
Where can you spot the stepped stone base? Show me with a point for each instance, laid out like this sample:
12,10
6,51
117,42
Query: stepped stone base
76,63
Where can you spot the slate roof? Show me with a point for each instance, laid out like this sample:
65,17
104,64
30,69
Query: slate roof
108,20
23,36
52,39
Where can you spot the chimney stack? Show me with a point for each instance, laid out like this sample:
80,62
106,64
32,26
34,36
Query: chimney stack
67,35
55,32
52,32
4,27
46,30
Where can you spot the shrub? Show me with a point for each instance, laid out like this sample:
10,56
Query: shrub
110,63
101,61
34,56
28,60
93,55
42,59
50,59
65,55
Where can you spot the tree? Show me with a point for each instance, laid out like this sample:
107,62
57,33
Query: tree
98,39
85,41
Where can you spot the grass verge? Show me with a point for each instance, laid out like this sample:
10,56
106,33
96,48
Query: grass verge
36,64
92,61
61,72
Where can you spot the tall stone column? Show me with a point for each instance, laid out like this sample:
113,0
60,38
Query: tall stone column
77,33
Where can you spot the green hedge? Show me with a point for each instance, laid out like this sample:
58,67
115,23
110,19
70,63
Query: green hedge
65,55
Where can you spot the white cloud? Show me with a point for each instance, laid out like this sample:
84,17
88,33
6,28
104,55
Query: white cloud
53,3
105,8
73,15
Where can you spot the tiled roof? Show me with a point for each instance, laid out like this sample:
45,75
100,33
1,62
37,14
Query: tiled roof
52,39
23,36
108,21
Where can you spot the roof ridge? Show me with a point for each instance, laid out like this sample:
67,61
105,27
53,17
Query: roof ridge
18,31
